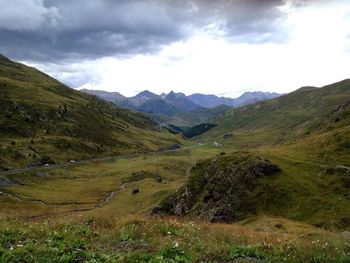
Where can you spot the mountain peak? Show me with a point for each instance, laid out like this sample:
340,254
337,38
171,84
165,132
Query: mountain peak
147,94
171,96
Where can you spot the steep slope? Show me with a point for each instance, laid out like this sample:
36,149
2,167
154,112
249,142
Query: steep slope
317,119
41,118
141,98
158,106
180,101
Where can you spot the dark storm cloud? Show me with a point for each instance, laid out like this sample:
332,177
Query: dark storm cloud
40,30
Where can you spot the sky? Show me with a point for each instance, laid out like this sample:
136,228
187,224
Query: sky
222,47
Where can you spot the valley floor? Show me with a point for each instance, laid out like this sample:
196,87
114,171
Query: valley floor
98,211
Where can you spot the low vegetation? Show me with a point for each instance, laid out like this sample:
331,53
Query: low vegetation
144,239
41,117
276,171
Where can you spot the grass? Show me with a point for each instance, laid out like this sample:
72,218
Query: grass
87,212
85,185
145,239
122,230
41,117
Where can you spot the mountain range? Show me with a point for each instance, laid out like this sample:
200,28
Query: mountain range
173,103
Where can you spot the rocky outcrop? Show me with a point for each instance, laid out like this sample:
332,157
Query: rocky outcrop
219,190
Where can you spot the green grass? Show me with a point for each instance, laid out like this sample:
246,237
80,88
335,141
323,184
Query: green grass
144,239
40,116
87,212
315,120
85,185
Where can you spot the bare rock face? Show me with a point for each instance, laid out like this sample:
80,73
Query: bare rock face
218,190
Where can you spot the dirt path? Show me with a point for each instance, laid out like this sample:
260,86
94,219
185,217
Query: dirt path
99,159
97,205
22,199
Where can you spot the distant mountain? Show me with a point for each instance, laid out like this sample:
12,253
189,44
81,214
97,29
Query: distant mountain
187,120
158,106
142,97
253,97
114,97
180,101
210,101
175,108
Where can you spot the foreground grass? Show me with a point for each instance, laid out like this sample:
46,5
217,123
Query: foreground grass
144,239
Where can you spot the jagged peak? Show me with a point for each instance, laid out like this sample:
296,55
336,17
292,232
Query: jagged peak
146,93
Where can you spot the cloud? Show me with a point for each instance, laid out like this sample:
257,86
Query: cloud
51,30
315,53
28,15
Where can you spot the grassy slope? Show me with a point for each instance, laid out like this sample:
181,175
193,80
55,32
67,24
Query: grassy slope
314,118
40,116
305,133
121,231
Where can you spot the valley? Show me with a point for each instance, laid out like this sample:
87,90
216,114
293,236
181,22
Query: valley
83,180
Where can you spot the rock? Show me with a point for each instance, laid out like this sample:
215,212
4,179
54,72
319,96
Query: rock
174,147
41,162
228,136
345,235
4,181
342,168
329,171
40,174
218,189
135,190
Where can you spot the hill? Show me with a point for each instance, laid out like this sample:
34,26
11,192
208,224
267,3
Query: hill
210,101
114,97
241,185
40,119
286,157
220,189
314,121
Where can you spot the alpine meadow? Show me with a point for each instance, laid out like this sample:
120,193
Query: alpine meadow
175,131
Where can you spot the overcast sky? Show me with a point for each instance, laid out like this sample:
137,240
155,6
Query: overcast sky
223,47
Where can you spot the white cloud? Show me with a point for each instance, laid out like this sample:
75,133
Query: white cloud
315,53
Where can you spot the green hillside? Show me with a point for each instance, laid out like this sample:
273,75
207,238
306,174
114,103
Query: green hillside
40,118
306,134
312,120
